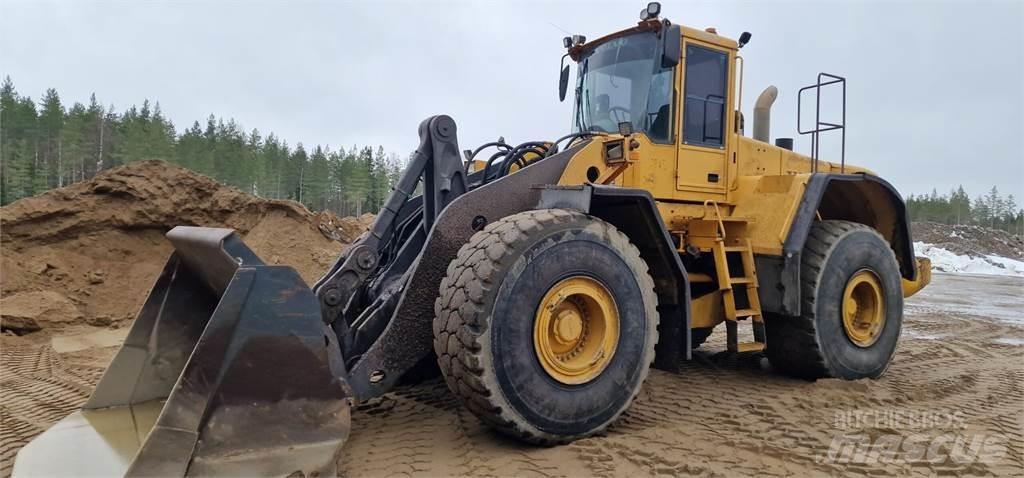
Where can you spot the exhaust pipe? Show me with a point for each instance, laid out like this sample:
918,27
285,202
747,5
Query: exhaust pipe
763,113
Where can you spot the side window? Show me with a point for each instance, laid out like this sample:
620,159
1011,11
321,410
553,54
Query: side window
706,79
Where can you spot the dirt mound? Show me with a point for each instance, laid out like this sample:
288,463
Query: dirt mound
98,245
343,229
969,240
30,311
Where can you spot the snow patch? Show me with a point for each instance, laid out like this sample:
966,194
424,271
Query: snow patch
923,336
946,261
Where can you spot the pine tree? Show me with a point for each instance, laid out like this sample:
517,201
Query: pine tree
76,129
160,136
9,128
253,150
297,163
131,137
994,205
316,180
980,210
56,146
961,204
51,140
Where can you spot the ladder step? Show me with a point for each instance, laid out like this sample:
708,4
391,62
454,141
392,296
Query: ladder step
750,347
748,313
741,280
735,248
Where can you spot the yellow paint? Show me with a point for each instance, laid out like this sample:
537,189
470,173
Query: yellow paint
772,201
758,190
924,277
576,330
863,308
476,165
707,310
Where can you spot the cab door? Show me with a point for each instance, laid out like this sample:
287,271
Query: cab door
703,150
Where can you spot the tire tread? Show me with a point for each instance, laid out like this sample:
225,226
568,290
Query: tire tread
462,319
794,346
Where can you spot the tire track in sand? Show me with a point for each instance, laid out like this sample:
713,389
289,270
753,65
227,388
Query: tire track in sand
720,416
35,392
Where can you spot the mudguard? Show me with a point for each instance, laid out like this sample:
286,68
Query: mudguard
227,370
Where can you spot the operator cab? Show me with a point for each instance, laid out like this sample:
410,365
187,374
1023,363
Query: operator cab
636,80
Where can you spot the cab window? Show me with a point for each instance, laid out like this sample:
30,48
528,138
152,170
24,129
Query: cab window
622,81
706,79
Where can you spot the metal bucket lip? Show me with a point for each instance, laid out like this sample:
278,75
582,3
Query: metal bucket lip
101,442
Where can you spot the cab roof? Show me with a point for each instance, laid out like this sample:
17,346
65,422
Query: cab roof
655,24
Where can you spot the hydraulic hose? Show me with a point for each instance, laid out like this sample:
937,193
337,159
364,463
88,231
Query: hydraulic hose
554,146
499,144
490,161
518,151
517,154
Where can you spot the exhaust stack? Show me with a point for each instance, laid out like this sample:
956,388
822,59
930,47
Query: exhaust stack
763,113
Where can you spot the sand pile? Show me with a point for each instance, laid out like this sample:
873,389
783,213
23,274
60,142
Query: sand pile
969,240
91,251
343,229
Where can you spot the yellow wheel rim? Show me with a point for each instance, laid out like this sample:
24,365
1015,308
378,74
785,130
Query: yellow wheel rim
863,308
576,330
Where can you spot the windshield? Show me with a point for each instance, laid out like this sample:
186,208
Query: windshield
622,81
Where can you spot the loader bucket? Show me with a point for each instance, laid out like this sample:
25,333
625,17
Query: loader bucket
228,369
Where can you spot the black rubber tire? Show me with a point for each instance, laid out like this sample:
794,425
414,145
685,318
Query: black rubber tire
699,335
484,319
814,345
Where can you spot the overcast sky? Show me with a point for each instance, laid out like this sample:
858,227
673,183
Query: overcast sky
935,90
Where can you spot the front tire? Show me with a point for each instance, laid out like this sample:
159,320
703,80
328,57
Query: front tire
546,324
851,307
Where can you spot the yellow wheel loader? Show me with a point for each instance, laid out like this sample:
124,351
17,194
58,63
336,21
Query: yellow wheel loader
544,279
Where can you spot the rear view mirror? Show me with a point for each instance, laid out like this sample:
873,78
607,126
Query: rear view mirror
672,49
563,82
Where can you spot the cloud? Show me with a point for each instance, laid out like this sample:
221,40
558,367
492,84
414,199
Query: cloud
935,89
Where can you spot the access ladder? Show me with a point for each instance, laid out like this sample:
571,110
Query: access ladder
717,239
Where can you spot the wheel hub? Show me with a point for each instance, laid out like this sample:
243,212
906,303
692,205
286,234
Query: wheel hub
568,326
576,330
863,308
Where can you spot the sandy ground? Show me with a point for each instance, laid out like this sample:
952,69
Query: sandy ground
955,392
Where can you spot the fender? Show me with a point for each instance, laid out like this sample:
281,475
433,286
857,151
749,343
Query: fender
634,212
862,198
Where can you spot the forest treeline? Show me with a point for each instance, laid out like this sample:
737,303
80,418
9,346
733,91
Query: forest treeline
991,210
52,145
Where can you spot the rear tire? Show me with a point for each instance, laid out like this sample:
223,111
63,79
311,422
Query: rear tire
486,332
837,258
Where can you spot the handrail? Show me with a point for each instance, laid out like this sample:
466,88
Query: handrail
739,95
819,125
718,216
